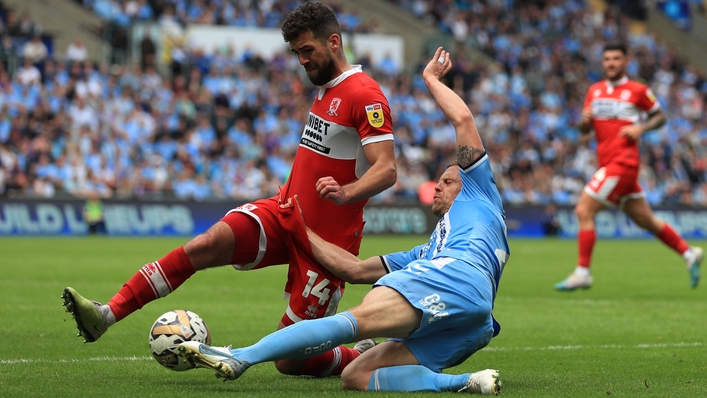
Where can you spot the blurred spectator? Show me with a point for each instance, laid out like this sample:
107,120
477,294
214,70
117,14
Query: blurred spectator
7,49
148,51
28,74
225,127
35,50
76,51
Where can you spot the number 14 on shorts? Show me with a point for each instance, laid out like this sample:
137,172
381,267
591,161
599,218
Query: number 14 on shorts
319,290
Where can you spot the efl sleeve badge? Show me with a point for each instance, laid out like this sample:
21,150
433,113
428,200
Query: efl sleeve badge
375,115
650,95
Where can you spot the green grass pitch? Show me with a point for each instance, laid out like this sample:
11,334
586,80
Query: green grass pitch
639,332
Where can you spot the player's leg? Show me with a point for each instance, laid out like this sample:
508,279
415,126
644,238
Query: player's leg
357,375
217,246
455,324
402,304
391,366
314,293
334,361
641,213
329,363
384,312
154,280
586,209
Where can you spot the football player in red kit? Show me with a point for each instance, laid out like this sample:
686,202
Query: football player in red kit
614,108
345,156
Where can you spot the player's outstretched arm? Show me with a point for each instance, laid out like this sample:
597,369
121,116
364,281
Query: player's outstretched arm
469,145
341,263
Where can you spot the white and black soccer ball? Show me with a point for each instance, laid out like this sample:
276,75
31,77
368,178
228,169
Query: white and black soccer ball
170,330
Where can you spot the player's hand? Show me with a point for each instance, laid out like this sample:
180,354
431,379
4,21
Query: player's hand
586,115
438,66
290,203
329,189
632,132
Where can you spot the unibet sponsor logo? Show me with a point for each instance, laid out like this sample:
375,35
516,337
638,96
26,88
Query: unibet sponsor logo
314,133
375,115
316,127
605,109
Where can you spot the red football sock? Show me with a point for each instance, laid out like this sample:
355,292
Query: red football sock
585,240
672,239
330,363
153,281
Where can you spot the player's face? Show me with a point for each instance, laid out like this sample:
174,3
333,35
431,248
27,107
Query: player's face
316,58
614,63
446,190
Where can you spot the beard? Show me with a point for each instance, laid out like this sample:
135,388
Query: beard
322,74
438,208
615,74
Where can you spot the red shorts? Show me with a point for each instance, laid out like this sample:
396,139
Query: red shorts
267,235
614,184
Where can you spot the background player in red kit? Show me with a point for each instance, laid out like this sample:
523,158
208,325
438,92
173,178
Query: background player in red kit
345,156
614,108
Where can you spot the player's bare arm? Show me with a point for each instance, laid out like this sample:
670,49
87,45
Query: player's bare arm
340,262
469,145
343,264
381,176
634,132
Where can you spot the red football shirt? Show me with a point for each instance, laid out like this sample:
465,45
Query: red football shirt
615,105
348,113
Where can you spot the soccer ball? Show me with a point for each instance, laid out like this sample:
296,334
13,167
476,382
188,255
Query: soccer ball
171,329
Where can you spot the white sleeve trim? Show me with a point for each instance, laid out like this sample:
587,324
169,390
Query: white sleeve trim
377,138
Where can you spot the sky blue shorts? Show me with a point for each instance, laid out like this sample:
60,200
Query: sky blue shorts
456,299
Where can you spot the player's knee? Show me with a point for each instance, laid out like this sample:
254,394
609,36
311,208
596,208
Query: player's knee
288,367
579,210
355,378
212,248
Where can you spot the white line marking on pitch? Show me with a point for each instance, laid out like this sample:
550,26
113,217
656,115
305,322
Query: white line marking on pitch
548,348
92,359
587,347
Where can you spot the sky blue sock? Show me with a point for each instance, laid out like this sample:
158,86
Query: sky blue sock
415,378
302,340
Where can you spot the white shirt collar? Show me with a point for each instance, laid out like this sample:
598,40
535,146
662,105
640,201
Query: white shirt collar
619,82
355,69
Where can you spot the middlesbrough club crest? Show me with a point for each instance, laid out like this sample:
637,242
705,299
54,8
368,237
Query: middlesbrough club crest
333,107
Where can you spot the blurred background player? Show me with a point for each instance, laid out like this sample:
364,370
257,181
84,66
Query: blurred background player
345,156
613,108
434,300
93,214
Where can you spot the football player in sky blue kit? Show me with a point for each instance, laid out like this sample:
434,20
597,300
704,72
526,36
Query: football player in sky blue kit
433,301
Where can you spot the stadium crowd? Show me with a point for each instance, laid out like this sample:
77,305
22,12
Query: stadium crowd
223,127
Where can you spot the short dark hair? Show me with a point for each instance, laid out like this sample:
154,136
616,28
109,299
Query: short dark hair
313,17
616,46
